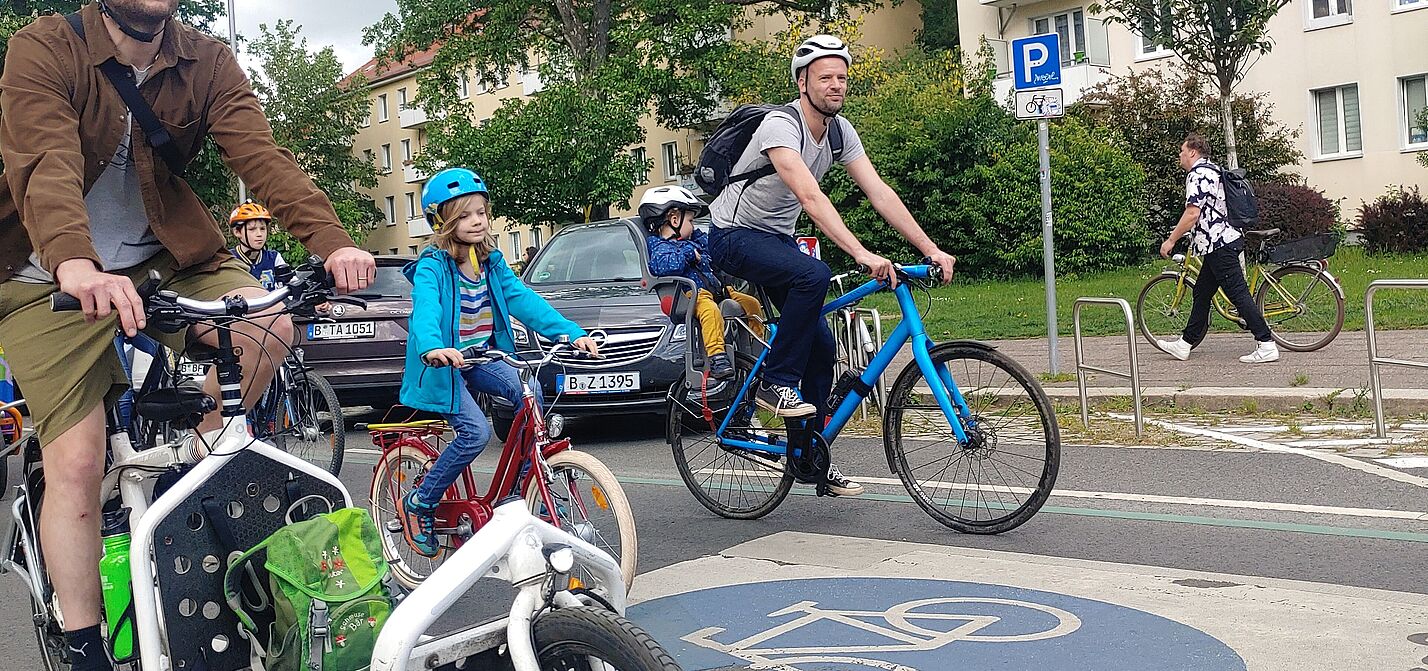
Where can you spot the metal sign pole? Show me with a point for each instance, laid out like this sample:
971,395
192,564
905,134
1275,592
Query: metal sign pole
233,43
1043,145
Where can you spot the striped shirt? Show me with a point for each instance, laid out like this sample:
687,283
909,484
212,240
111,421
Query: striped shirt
476,324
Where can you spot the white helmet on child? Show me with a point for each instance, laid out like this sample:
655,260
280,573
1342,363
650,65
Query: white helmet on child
816,47
658,201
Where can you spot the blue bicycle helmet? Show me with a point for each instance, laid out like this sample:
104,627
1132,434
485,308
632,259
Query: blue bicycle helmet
445,185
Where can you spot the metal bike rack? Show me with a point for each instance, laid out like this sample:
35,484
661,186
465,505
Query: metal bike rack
1374,359
859,355
1082,368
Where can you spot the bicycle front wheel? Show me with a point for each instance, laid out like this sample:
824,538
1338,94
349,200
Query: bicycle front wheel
310,422
591,505
1005,472
586,638
399,472
1305,310
1163,307
730,482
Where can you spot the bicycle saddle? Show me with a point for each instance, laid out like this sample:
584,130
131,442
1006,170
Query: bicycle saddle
184,402
1263,233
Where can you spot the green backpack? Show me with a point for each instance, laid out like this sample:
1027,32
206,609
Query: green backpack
328,592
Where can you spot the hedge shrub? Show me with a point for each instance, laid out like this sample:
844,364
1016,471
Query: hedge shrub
1296,209
1396,222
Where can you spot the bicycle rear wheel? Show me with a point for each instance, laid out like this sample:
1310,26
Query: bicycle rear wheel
591,505
730,482
400,471
1305,301
1005,472
1163,308
310,422
589,639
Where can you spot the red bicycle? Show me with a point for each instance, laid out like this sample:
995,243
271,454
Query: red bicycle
569,489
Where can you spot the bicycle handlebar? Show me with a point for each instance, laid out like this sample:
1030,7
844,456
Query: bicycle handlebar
474,354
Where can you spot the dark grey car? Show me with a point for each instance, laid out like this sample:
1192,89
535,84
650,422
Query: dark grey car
361,352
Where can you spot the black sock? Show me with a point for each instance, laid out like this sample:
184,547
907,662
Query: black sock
86,650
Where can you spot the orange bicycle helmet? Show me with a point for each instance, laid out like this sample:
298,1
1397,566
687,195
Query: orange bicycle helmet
248,211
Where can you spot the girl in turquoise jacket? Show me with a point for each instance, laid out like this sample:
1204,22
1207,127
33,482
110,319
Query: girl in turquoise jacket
463,295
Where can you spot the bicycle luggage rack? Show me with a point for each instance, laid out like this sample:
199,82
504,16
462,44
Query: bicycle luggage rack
1082,367
1375,385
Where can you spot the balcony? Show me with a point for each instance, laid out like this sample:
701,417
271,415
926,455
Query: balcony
412,117
418,227
414,175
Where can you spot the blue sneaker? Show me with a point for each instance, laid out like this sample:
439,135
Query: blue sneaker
423,516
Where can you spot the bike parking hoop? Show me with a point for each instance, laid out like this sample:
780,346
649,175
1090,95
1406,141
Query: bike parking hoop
1375,361
1082,367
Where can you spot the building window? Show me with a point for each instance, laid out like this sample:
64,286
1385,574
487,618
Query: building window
370,156
391,210
642,159
401,98
535,237
671,160
515,244
367,118
411,205
413,248
382,108
406,151
1405,5
386,158
463,85
1152,37
1326,13
392,251
531,82
482,87
1070,26
1337,112
1414,94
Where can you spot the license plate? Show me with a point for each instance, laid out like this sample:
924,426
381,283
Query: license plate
190,369
338,330
596,383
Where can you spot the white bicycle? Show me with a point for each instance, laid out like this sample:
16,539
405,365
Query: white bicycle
239,490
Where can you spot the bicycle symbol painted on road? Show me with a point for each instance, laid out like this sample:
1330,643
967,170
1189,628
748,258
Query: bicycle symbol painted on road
910,627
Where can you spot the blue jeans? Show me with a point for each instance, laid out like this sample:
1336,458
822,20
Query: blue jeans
797,284
473,430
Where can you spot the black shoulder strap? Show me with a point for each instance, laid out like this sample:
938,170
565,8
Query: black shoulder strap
835,137
769,169
123,79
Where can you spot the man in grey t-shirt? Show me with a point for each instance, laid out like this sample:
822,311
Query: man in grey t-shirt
752,235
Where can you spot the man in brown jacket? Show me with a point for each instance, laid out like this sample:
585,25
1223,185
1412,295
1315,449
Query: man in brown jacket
87,206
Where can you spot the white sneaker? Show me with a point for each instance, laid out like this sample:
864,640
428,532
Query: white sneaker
1265,353
1177,348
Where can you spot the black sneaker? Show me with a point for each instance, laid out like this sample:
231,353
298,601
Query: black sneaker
720,368
783,401
841,485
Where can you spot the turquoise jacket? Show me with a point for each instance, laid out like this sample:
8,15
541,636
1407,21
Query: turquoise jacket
435,317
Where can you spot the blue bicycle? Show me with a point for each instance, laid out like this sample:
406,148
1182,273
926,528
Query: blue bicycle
980,454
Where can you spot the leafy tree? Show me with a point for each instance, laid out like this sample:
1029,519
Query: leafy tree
1423,123
1150,112
315,117
1219,39
939,27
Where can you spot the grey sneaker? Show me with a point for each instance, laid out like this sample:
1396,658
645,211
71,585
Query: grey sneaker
783,401
841,485
720,368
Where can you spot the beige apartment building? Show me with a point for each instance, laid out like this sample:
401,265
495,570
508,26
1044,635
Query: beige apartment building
1349,75
393,135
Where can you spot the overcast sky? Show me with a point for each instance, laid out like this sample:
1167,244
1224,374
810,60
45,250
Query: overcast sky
335,23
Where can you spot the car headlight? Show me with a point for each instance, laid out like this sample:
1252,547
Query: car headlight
520,335
679,333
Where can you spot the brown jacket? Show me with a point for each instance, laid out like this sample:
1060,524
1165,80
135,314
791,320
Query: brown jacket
61,120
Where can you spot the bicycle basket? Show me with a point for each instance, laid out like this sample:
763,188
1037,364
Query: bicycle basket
1310,248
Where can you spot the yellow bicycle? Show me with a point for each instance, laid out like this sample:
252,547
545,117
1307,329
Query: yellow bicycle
1302,301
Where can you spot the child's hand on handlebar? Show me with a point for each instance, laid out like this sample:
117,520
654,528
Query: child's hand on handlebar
585,344
445,356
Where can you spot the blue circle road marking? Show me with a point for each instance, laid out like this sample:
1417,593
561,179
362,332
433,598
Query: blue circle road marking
902,624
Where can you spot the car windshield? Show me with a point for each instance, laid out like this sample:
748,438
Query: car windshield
591,254
390,283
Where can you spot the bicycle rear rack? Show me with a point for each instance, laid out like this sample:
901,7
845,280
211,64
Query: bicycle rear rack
1375,384
1082,367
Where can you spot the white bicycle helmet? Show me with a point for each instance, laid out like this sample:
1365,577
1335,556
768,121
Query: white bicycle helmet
816,47
658,201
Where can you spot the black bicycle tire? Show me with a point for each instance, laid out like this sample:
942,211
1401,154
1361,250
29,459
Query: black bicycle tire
339,430
674,431
1145,291
892,437
581,632
407,576
1263,291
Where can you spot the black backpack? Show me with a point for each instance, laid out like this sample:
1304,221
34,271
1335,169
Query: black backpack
727,143
1240,202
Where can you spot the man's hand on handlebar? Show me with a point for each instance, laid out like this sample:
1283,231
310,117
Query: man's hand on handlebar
878,267
944,261
446,356
352,269
99,293
585,344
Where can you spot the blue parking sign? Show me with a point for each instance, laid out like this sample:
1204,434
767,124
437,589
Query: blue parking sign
1036,61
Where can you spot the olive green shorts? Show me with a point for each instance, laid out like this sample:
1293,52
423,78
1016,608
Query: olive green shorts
66,367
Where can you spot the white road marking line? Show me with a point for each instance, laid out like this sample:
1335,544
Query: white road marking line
1338,459
1405,462
1147,498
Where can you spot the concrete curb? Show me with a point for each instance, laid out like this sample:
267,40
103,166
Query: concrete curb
1396,402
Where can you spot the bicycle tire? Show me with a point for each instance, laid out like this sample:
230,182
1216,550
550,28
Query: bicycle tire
408,566
312,393
986,446
566,639
689,433
564,466
1315,289
1158,312
54,652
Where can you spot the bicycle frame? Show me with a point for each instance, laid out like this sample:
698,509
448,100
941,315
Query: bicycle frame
1255,275
948,396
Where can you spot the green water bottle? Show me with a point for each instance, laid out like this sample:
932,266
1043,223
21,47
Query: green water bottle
116,584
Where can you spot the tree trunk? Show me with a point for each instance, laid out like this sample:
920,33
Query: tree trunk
1232,157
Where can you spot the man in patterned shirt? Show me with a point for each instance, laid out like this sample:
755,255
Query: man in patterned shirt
1219,244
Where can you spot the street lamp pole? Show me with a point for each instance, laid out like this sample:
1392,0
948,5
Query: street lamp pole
233,43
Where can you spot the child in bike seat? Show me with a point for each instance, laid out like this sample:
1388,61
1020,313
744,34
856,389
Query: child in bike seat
249,223
678,249
463,295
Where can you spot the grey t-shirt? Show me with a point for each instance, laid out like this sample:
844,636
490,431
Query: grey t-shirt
768,204
118,223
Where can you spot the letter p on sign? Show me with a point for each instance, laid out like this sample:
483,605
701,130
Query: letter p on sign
1036,61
